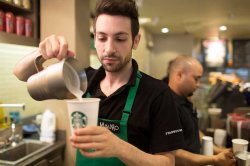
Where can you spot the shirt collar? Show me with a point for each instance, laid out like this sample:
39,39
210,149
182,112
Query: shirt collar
181,99
99,74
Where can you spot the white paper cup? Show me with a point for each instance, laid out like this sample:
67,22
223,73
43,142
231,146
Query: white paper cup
220,137
83,112
207,145
239,145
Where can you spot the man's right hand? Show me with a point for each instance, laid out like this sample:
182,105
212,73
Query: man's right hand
225,158
55,47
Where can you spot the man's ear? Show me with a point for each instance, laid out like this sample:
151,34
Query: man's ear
179,74
136,41
94,40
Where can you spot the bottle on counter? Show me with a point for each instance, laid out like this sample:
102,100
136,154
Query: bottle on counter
48,127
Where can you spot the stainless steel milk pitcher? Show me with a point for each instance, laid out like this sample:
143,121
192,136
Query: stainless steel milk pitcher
65,79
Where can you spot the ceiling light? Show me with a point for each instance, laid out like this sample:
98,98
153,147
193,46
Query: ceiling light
164,30
223,28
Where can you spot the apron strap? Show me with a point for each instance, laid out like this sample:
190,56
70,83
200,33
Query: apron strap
130,99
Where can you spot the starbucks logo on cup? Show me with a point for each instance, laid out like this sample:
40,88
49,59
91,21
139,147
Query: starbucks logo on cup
78,119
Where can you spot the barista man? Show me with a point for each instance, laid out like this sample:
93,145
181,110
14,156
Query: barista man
184,78
141,106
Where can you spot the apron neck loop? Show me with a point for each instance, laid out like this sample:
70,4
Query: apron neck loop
131,98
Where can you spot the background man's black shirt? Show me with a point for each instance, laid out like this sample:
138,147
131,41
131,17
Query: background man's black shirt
189,122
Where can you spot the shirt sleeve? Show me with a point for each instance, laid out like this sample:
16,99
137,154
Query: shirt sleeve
167,133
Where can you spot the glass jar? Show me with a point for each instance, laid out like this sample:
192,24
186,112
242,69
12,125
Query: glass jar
240,128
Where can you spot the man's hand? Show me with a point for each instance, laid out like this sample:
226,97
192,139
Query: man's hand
54,47
96,141
225,158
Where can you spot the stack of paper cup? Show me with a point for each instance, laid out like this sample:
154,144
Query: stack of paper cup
220,137
207,145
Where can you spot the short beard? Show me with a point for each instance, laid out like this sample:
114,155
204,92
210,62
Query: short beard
117,67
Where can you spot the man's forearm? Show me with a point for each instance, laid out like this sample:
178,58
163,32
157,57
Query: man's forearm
133,156
185,158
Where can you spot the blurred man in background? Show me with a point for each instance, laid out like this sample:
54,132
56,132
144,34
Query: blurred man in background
184,74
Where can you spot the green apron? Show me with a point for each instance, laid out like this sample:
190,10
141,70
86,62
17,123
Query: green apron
113,161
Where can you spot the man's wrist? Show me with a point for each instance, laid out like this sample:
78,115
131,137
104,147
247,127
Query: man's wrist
124,149
214,159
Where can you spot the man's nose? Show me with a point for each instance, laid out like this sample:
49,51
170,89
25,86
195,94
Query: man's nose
110,47
198,84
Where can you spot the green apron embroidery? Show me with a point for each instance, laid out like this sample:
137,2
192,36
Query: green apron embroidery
113,161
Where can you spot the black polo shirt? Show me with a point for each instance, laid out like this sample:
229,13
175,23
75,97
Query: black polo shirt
153,125
189,122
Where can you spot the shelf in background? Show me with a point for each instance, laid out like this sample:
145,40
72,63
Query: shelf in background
6,6
12,38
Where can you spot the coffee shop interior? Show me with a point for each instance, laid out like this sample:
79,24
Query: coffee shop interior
216,33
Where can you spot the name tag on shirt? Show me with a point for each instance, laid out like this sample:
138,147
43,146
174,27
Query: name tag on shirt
112,126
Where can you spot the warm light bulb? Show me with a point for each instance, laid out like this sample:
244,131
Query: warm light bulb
223,28
164,30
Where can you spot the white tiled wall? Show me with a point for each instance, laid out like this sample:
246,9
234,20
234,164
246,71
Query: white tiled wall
11,89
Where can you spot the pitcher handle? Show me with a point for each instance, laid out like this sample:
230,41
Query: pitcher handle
26,66
39,60
39,63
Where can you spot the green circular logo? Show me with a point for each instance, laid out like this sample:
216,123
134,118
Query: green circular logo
78,119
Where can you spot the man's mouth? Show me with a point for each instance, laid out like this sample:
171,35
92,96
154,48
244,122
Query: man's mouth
109,59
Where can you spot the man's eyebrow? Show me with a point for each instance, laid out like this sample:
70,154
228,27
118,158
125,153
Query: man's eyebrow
116,34
100,33
121,33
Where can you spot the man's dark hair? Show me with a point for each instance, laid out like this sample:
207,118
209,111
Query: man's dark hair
127,8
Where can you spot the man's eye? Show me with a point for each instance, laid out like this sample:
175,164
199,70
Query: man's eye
101,38
121,39
197,79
